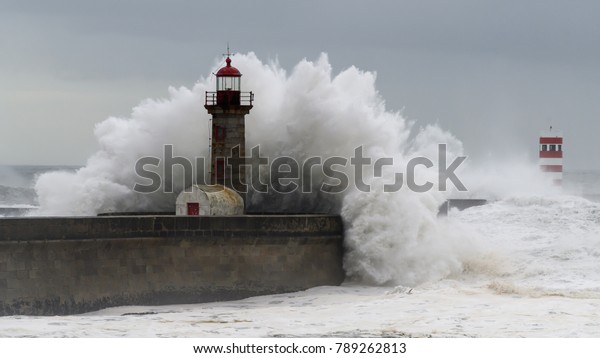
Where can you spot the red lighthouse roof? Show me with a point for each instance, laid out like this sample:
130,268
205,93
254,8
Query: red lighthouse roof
228,70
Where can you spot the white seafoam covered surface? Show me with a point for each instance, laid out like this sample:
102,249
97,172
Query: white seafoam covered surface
349,311
537,275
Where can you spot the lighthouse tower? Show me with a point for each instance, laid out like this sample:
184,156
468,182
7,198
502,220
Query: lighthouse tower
228,106
551,154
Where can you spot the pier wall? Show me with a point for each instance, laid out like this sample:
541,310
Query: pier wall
57,266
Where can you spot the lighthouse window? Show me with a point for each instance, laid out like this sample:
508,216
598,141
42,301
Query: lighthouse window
544,147
228,83
552,147
560,147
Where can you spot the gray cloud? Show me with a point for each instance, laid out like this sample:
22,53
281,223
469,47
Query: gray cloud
493,72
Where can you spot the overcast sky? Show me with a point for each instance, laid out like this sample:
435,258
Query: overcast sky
494,73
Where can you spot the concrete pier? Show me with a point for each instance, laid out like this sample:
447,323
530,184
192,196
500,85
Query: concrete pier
68,265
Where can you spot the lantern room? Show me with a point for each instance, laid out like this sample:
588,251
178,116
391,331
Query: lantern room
228,85
228,78
228,93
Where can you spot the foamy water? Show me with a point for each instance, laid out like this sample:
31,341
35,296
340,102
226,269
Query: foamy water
448,309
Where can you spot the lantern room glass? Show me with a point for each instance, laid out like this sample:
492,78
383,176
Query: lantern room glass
228,83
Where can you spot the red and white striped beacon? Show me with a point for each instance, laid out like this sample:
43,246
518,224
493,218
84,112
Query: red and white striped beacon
551,154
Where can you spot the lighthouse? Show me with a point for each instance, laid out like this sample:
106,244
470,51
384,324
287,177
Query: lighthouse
228,106
226,194
551,154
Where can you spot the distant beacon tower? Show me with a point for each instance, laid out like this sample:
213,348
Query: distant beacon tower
551,154
228,106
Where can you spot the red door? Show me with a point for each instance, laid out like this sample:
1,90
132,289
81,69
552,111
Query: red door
193,209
